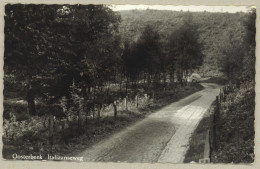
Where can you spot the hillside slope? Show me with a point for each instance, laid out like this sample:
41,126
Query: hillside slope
213,27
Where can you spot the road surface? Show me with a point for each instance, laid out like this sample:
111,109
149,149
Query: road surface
161,137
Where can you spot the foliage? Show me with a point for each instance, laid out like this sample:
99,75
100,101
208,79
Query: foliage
50,45
238,51
232,54
250,59
143,55
235,128
185,52
210,28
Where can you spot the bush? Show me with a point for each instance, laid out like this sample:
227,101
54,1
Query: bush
235,127
19,110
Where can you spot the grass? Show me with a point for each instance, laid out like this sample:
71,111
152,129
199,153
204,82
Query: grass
197,140
235,126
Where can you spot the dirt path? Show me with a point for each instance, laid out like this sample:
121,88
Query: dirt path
161,137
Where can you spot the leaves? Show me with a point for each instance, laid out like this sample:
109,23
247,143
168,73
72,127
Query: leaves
236,127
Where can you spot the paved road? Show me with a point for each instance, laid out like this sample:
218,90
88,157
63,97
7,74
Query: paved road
161,137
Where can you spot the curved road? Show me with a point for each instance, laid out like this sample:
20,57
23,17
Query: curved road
161,137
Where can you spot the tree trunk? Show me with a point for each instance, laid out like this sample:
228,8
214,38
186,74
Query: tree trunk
94,97
159,78
99,109
87,114
126,86
136,101
172,75
44,122
89,89
173,71
126,108
179,76
144,78
115,109
121,79
30,100
164,80
51,131
108,89
79,121
149,78
93,112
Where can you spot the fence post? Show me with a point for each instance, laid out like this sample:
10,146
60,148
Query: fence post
136,101
51,132
207,146
115,109
217,101
215,122
212,139
220,95
207,150
126,103
212,136
238,136
210,142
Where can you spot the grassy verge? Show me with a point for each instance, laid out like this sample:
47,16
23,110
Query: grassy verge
235,130
197,140
71,141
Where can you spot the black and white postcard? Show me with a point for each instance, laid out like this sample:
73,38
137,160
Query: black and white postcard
128,83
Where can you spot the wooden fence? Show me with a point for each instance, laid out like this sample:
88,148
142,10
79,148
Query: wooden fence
213,138
213,133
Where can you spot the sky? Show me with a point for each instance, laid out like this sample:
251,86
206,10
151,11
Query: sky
230,9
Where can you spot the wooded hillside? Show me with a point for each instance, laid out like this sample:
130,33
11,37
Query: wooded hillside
212,29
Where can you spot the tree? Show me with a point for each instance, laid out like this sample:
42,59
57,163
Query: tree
249,58
232,52
96,50
185,52
53,45
27,29
238,51
147,52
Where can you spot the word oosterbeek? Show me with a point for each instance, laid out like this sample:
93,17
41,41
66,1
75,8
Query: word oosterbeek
49,157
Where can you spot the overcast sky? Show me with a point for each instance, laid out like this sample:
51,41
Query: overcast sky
231,9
